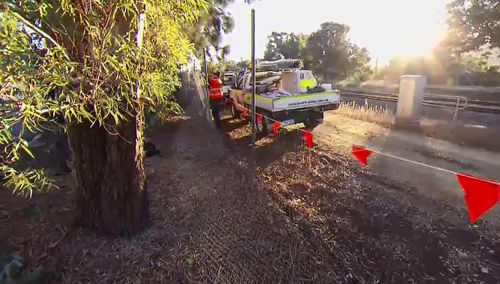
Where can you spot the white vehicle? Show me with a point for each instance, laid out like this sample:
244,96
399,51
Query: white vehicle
290,96
227,81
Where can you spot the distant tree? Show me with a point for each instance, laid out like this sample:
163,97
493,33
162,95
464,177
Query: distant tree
210,26
206,34
284,45
330,54
474,69
242,63
471,69
473,34
358,70
417,65
472,24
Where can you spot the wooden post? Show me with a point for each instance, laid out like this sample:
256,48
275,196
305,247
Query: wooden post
253,82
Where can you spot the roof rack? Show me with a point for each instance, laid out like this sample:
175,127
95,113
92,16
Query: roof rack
280,65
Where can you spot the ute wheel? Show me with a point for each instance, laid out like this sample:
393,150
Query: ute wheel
313,120
261,126
265,127
311,124
234,112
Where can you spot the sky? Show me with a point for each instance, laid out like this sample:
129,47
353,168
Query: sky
386,27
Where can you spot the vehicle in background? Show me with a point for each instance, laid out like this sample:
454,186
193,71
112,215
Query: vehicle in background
284,93
228,80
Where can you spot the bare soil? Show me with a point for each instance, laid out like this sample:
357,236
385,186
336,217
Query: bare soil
340,132
375,228
313,216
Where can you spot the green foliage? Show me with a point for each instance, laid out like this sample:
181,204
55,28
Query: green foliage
243,63
472,24
473,69
206,33
81,61
469,69
225,65
212,23
473,29
328,52
429,66
478,63
285,45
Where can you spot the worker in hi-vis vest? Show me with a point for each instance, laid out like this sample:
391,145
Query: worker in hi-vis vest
215,97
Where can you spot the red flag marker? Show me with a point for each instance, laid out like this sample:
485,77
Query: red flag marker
480,195
309,139
259,118
276,127
361,154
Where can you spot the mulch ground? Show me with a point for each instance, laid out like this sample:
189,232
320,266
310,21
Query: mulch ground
374,229
313,216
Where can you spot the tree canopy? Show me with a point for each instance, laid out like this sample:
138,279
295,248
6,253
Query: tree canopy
95,65
327,51
473,24
206,33
284,45
90,58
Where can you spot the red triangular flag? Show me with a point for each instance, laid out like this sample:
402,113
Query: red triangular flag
480,195
259,118
276,127
361,154
309,139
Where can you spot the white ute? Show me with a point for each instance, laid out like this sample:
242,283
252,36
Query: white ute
288,95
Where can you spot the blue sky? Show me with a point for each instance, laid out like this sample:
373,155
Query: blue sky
386,27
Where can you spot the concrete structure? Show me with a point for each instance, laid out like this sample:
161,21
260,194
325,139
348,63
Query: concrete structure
411,96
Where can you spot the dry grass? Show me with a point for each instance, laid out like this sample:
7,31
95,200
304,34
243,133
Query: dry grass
452,131
376,114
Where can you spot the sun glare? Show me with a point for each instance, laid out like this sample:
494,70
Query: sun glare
403,28
387,28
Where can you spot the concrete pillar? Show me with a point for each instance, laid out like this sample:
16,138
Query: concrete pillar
411,96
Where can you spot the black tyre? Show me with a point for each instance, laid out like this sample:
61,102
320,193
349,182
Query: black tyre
314,119
261,126
234,112
265,127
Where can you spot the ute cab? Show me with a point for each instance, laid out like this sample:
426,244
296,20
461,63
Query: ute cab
289,95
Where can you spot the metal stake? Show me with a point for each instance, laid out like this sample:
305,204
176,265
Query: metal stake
206,107
253,81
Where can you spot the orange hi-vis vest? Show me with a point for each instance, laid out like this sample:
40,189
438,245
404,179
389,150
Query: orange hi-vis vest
215,93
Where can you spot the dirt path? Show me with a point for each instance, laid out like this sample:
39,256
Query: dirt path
208,225
340,132
237,235
375,228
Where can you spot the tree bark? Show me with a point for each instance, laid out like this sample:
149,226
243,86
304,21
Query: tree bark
110,192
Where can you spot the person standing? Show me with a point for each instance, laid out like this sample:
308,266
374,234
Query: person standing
215,97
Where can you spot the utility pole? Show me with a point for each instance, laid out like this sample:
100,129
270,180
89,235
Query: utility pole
253,159
206,108
254,117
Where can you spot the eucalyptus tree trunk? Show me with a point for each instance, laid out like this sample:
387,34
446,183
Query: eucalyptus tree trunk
108,163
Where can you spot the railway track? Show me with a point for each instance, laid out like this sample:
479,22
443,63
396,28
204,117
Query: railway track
431,100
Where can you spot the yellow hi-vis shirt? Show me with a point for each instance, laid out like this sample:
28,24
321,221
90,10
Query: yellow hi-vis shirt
304,84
